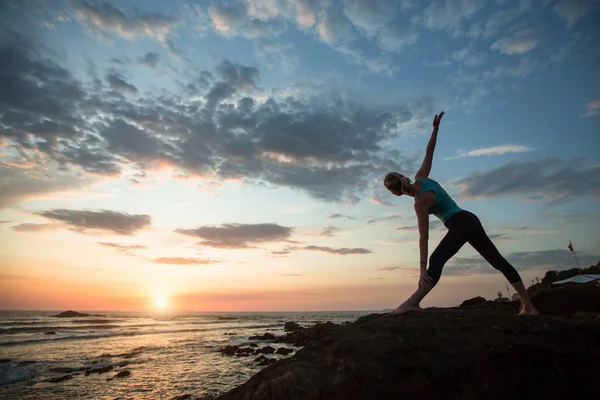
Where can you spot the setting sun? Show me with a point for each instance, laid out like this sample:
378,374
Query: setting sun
161,301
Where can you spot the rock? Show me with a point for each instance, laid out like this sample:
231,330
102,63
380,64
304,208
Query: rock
71,313
265,350
292,326
267,361
453,353
4,360
99,370
567,300
237,351
50,333
473,302
183,397
122,374
284,350
266,336
61,379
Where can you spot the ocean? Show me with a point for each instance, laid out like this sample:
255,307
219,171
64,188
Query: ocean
166,355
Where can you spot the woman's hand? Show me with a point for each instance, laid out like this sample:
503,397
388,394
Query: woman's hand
437,119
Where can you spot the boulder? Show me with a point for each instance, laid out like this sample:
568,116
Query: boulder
473,302
453,353
292,327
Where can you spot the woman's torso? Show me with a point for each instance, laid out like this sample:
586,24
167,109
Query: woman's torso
444,206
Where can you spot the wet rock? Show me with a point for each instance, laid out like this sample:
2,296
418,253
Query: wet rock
183,397
284,350
50,333
265,350
4,360
292,326
266,336
60,379
122,374
71,313
267,361
454,353
100,370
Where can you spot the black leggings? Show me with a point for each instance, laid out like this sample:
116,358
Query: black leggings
465,227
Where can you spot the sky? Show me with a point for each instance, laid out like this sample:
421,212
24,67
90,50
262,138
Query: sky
230,155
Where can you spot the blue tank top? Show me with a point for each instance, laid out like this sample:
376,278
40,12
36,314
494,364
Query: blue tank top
444,206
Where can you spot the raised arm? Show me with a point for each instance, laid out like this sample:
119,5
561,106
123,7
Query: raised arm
426,166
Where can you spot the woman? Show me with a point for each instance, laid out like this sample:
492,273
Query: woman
463,227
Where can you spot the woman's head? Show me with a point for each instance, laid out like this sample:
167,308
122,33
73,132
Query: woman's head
397,183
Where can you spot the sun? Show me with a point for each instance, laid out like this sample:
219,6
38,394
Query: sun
160,301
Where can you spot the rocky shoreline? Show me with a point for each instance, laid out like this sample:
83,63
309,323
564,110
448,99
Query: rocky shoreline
481,349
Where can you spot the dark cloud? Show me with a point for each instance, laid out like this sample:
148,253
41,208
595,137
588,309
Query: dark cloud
433,224
30,227
339,251
117,82
104,220
330,231
181,261
548,180
151,59
123,248
238,235
338,215
327,146
107,17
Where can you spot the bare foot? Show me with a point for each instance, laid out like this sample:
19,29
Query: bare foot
404,308
525,311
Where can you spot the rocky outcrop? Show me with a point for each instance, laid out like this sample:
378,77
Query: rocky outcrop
71,314
454,353
568,300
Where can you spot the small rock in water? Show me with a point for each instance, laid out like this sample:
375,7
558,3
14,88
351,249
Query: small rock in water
183,397
4,360
266,336
267,361
292,326
284,350
62,378
265,350
50,333
123,374
99,370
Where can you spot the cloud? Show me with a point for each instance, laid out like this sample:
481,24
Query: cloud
151,59
493,150
181,261
546,180
338,215
433,224
231,236
123,248
117,82
519,43
109,18
31,227
497,20
369,15
544,259
382,219
104,220
324,143
592,108
573,10
228,17
334,27
388,268
394,38
449,14
330,231
339,251
5,222
523,69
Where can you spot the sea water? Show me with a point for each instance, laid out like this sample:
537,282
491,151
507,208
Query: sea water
167,355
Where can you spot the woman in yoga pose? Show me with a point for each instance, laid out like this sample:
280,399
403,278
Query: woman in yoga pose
463,226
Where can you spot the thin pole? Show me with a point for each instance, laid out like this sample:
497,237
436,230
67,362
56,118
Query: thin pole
575,255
